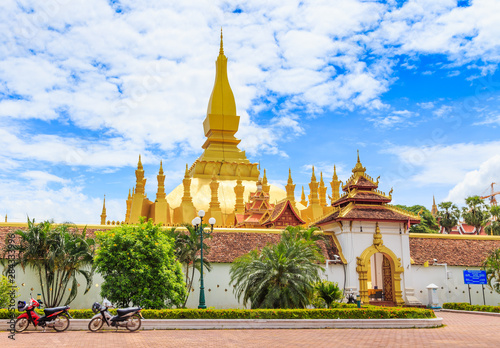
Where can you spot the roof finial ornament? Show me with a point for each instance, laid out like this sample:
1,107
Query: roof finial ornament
358,156
221,51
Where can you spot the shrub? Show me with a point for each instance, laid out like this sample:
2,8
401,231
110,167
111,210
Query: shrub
338,313
463,306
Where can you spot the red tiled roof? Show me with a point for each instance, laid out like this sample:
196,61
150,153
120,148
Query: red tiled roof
225,247
454,252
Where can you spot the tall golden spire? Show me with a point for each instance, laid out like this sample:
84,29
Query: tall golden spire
221,50
303,198
160,194
434,210
322,191
103,214
313,189
239,189
140,180
221,123
290,188
265,186
187,186
335,185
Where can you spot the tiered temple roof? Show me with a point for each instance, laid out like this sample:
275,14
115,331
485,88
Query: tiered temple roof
362,201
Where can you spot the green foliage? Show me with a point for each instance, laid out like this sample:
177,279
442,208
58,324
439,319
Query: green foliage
428,223
187,250
328,292
449,215
57,253
463,306
494,228
139,267
476,213
5,289
281,276
337,313
492,267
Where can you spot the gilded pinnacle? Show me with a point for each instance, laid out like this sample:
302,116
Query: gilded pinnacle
221,51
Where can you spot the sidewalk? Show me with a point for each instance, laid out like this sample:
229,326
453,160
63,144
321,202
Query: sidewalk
461,330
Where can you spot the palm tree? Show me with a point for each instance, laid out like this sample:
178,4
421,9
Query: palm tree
476,213
187,251
449,215
281,276
328,291
492,267
494,227
58,254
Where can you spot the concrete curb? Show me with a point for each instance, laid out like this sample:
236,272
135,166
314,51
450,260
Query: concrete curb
469,312
217,324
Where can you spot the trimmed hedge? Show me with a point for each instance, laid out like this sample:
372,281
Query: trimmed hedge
464,306
371,312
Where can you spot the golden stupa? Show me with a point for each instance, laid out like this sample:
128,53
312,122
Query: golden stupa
221,180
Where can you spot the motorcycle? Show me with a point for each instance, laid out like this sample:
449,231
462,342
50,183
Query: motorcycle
129,317
57,318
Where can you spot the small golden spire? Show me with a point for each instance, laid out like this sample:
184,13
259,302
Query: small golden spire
186,174
161,167
129,196
290,181
303,198
321,182
313,177
358,160
221,50
5,217
335,177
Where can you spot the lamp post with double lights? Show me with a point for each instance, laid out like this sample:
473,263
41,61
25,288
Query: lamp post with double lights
198,227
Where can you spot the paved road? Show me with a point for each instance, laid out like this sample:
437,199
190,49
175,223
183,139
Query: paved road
461,330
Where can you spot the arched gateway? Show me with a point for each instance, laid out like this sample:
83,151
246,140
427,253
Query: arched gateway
391,270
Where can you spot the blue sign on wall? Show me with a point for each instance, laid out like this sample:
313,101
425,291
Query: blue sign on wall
475,277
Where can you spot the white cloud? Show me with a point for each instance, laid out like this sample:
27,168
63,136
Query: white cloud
477,182
441,164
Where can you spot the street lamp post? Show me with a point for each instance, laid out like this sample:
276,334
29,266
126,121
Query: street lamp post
198,227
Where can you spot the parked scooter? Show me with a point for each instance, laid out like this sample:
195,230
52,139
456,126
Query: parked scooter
57,317
129,317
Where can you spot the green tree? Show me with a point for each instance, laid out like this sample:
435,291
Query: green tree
139,267
476,213
328,292
187,250
449,215
492,267
280,276
428,223
57,253
494,227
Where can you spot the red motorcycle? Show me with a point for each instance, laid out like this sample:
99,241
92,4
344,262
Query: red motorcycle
57,317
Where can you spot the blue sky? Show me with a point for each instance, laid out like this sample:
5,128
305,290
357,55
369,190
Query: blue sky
88,85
